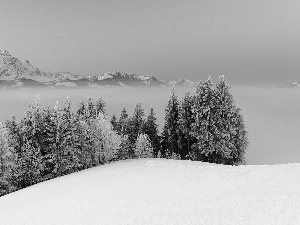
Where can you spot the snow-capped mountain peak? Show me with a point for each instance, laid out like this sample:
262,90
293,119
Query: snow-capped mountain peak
292,85
181,82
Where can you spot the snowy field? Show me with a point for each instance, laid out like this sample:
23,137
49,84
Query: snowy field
161,191
271,114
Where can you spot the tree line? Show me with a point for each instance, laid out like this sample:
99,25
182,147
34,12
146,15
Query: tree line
49,142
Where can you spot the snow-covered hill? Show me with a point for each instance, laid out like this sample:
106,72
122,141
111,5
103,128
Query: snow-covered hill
160,191
16,74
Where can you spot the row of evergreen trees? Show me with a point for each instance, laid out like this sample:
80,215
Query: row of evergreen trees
50,142
53,141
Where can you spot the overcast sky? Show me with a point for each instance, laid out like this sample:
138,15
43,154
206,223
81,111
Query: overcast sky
251,42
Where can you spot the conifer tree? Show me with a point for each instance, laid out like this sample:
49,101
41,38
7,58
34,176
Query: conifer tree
124,148
223,117
231,136
6,161
90,109
203,126
100,106
113,122
123,124
14,136
185,122
136,125
81,109
150,128
170,136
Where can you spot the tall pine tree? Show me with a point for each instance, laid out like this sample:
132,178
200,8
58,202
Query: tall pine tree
231,138
151,130
170,137
185,122
136,124
203,126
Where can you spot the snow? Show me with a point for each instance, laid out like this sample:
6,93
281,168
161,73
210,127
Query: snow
182,82
143,77
160,191
104,76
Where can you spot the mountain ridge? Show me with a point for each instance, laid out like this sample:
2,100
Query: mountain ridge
16,74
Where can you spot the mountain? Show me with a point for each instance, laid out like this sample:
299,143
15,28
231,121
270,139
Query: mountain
118,78
181,82
16,74
292,85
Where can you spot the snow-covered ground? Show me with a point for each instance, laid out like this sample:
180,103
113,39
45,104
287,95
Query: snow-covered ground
160,191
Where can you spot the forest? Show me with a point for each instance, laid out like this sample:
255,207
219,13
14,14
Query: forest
50,142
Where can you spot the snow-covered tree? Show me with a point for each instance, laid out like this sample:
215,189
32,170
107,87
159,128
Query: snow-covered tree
107,141
218,125
6,161
81,109
27,167
3,150
143,148
203,127
100,106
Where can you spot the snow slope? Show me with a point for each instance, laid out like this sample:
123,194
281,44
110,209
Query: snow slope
160,191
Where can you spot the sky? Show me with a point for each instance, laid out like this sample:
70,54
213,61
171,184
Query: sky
251,42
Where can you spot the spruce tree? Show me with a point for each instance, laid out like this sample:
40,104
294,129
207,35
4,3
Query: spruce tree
136,124
185,122
203,126
240,139
114,122
230,136
223,117
170,136
6,162
233,135
123,124
151,130
81,109
100,106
